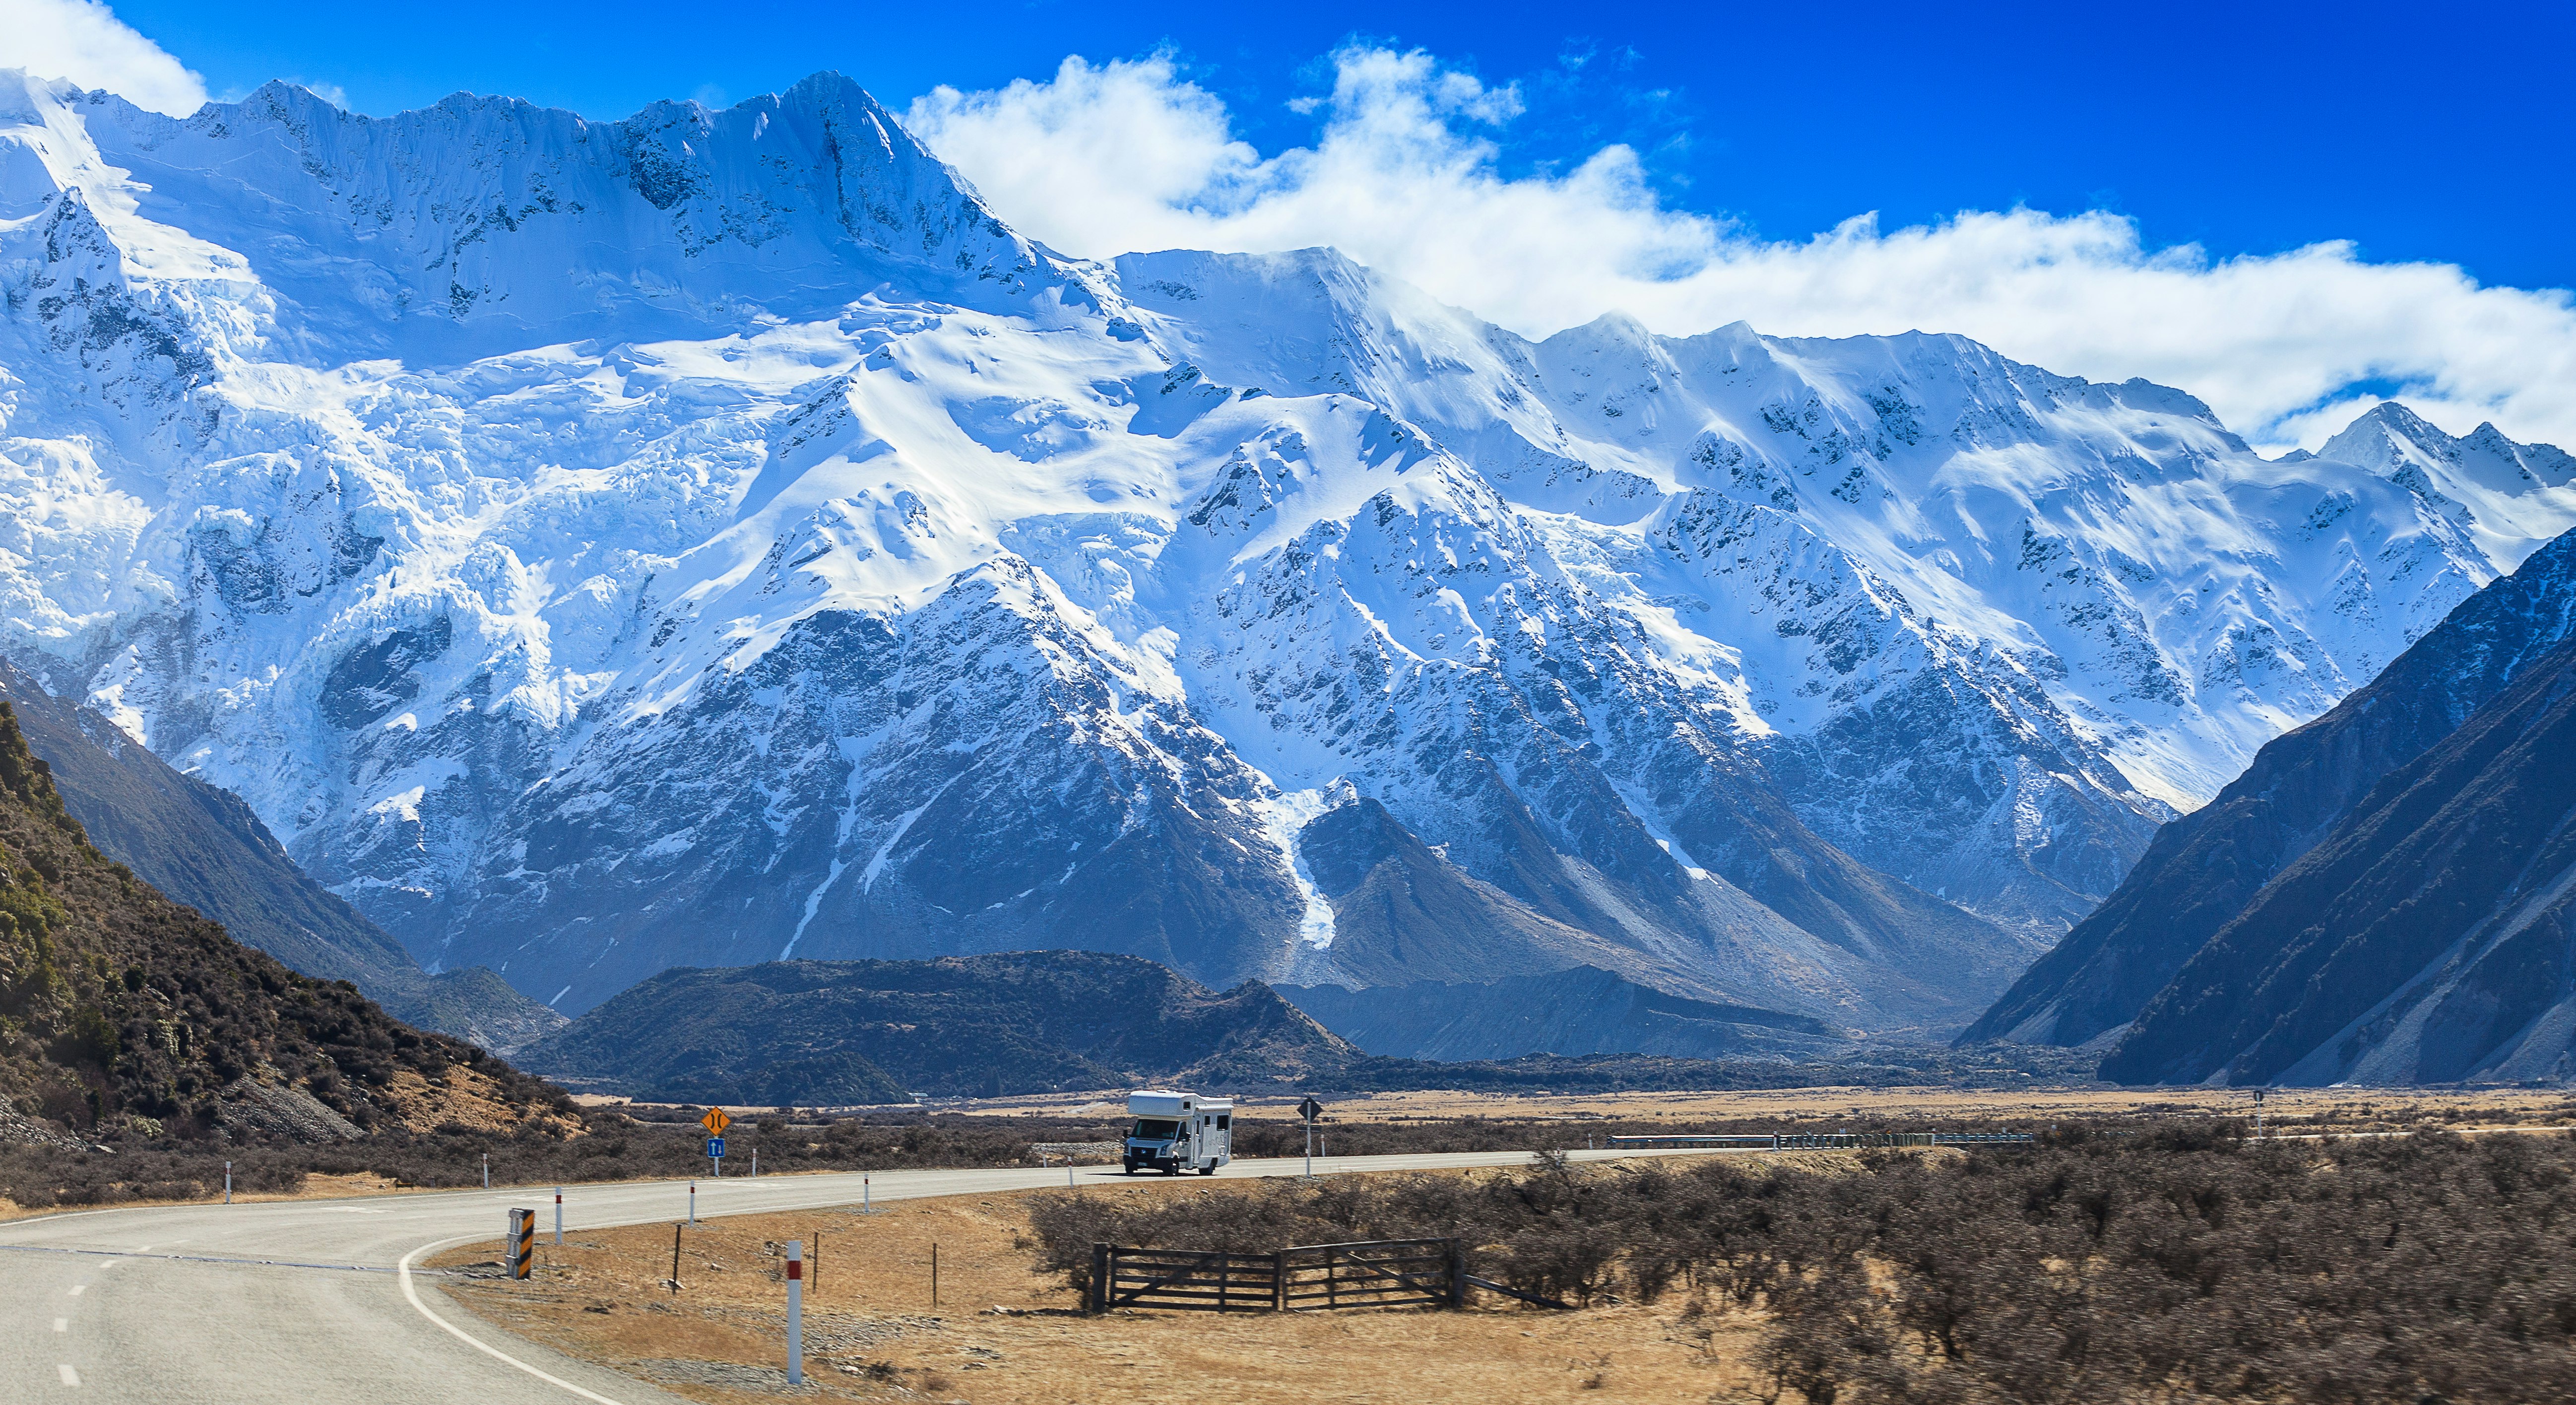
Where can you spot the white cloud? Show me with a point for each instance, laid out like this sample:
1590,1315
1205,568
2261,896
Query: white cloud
1105,159
85,42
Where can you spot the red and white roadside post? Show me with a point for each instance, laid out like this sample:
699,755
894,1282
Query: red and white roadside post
558,1217
796,1312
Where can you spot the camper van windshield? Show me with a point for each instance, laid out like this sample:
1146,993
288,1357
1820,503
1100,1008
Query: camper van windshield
1155,1129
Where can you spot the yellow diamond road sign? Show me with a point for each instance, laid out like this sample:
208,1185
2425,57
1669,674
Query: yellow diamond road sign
715,1121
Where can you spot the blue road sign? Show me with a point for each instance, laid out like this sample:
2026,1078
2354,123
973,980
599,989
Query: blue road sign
715,1146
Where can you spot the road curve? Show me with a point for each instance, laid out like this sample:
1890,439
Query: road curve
308,1300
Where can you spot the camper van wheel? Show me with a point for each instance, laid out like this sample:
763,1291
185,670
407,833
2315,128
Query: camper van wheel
1172,1170
1207,1170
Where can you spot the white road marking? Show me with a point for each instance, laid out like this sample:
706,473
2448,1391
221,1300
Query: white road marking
70,1376
413,1295
79,1288
111,1263
795,1190
62,1324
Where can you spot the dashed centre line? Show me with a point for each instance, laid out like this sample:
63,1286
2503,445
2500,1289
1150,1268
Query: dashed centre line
78,1289
62,1324
70,1376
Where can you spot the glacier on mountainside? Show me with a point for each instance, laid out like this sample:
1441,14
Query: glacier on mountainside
598,547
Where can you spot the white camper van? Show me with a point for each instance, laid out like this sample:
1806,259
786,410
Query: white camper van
1176,1132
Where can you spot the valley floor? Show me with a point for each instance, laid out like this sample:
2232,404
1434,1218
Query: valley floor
1797,1109
1002,1335
942,1300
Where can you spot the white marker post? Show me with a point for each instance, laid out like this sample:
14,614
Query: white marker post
693,1202
558,1217
867,1205
487,1170
228,1183
796,1313
755,1161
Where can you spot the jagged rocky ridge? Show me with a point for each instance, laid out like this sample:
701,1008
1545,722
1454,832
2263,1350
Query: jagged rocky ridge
2205,869
834,1033
204,847
715,537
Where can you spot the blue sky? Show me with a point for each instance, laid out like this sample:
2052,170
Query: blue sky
2419,132
2289,212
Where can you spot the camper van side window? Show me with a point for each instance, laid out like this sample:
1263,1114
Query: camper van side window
1224,1121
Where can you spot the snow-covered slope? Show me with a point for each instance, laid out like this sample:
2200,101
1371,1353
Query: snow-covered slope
716,536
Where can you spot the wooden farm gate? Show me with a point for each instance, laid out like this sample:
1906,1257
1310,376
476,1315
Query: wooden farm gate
1309,1278
1374,1273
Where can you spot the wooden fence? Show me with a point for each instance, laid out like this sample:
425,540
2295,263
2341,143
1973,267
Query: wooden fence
1308,1278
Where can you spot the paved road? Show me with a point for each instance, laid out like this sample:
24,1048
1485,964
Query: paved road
175,1306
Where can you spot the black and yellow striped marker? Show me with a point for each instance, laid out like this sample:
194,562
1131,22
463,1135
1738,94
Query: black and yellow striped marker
523,1242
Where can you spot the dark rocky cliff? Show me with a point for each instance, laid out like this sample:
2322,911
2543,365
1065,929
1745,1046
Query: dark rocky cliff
2202,870
124,1015
202,846
2431,937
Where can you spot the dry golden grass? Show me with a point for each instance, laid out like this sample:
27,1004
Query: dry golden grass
1001,1335
470,1099
1804,1107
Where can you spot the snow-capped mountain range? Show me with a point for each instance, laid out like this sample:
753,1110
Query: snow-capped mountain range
717,536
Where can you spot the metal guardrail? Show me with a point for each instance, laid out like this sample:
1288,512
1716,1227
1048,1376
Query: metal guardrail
1810,1141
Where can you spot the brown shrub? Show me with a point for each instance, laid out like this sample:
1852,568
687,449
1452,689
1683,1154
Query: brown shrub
2184,1263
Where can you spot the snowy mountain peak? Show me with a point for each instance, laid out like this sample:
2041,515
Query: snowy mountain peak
603,546
2502,490
484,224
